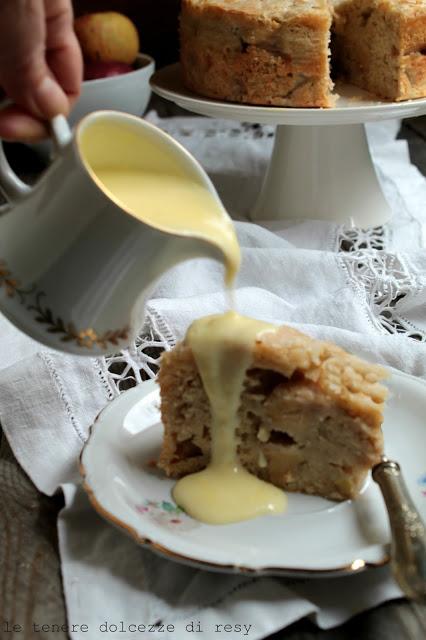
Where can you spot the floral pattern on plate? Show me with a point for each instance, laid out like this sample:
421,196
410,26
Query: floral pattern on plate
167,514
422,482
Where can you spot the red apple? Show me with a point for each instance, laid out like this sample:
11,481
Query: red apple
96,70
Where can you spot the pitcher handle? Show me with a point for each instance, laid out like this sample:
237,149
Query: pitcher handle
13,188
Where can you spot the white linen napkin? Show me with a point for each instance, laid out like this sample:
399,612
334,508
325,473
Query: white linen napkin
291,273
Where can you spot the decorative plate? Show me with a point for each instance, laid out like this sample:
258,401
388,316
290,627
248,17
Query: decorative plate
315,537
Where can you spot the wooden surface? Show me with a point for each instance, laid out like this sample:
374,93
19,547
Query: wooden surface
30,583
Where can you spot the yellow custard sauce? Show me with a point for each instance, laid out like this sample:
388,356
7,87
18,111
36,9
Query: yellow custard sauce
174,203
152,180
225,492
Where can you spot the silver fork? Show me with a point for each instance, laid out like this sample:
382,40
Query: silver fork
408,546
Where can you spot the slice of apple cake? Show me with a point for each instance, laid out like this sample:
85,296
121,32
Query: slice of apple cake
380,46
309,419
268,52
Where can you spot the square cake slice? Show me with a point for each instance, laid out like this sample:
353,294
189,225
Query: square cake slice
264,52
380,46
309,420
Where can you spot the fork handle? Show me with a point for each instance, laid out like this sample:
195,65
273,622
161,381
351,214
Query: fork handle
408,547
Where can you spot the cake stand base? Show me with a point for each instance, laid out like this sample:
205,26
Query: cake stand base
322,172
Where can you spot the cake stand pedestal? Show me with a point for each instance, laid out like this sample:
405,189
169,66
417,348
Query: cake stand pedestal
322,172
321,167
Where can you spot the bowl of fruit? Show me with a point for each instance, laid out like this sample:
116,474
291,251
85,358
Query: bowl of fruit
116,74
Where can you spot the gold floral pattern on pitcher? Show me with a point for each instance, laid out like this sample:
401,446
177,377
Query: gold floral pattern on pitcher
85,338
11,285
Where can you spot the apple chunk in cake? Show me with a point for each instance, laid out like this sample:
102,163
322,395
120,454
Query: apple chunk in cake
309,419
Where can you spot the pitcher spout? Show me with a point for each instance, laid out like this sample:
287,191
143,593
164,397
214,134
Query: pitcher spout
157,181
175,251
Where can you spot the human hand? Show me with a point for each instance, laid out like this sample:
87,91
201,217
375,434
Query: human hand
40,65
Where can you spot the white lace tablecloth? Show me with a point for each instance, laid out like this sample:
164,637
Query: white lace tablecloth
366,290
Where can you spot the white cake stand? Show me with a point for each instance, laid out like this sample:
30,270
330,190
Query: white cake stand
320,166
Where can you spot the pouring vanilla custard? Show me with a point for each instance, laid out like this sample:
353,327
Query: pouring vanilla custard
174,203
158,187
222,345
225,491
166,197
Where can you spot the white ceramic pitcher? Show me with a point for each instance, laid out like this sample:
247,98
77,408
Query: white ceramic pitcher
75,268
